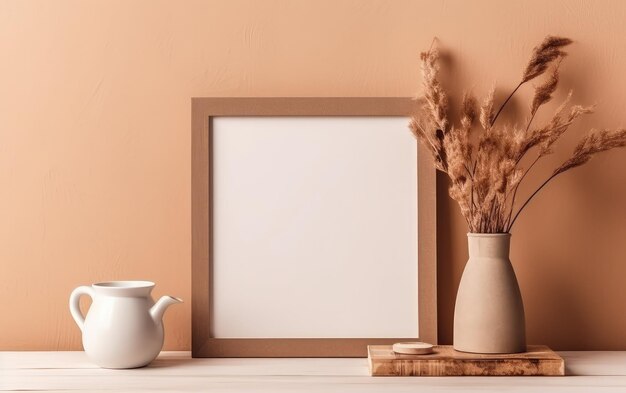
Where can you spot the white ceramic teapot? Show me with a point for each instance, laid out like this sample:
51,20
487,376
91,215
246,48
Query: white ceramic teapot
123,327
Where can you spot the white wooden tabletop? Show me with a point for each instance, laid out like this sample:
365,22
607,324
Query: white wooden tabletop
176,371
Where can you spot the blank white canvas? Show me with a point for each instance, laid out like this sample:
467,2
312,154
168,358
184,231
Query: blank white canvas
314,227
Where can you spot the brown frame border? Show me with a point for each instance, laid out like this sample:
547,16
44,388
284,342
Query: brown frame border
202,109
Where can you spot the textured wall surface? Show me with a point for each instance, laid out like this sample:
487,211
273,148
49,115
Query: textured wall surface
95,141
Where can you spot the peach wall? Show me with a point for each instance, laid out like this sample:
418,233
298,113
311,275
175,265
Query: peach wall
95,141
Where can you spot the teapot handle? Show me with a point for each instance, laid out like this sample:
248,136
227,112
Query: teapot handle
75,303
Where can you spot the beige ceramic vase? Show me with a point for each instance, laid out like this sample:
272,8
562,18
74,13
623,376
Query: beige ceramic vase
489,313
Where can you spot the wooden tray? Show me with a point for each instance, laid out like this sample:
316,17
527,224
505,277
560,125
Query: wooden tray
445,361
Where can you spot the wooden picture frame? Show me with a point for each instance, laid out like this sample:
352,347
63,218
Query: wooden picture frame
203,345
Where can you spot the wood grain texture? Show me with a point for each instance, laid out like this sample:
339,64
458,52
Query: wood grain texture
589,372
427,273
539,360
200,223
203,109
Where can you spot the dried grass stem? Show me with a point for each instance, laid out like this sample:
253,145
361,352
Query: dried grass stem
485,172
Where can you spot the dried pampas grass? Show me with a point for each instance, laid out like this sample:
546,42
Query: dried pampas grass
486,174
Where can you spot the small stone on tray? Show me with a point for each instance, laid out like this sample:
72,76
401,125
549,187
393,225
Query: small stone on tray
413,348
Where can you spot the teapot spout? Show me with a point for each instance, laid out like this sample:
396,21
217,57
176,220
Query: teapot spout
157,311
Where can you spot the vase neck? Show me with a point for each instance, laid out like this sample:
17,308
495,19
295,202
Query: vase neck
488,245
